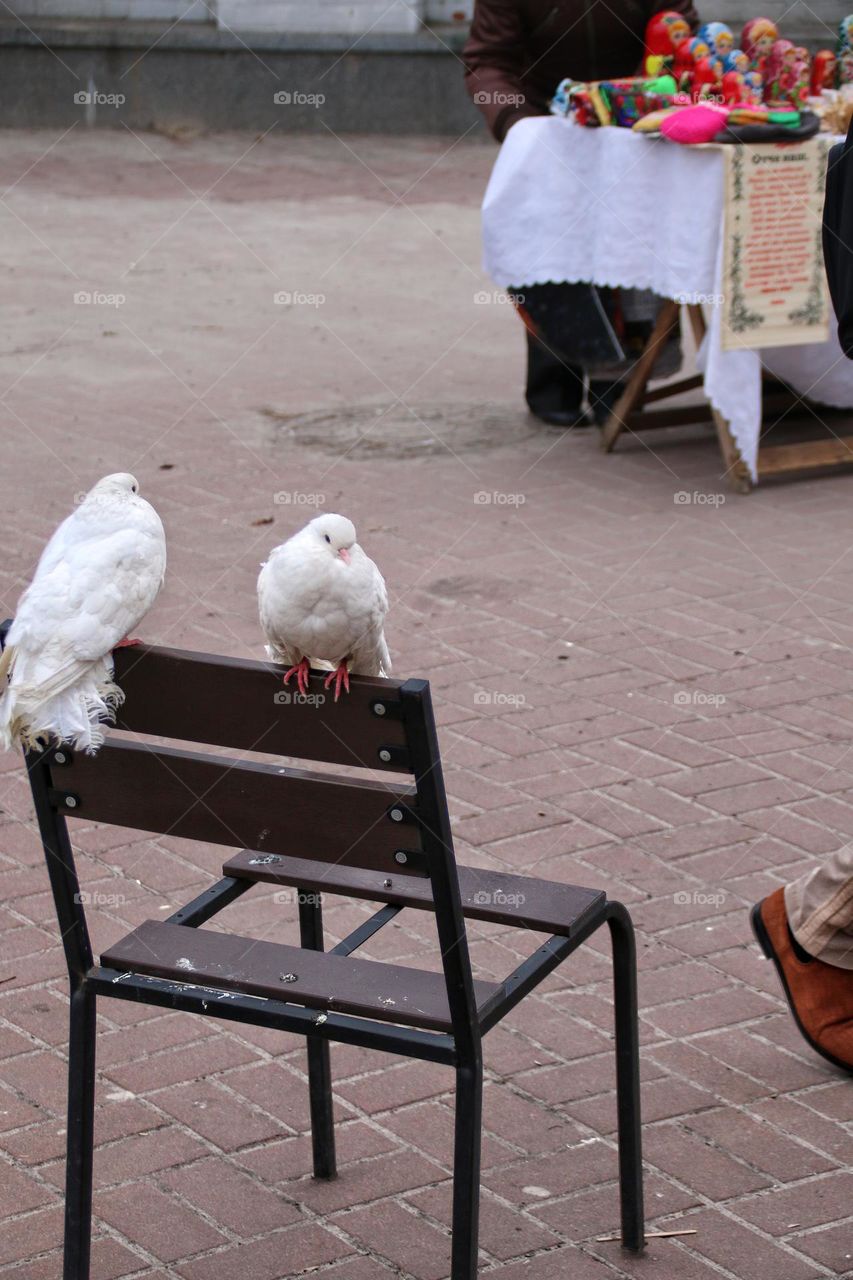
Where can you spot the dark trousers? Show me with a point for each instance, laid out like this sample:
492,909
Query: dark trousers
558,339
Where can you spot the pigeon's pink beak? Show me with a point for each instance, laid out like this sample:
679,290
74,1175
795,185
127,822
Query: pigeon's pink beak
344,554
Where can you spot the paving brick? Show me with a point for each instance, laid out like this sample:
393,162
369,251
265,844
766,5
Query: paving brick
699,1164
722,1240
809,1204
399,1236
774,1154
504,1233
157,1222
287,1252
830,1246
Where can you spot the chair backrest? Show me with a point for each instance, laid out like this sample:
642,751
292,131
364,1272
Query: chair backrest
244,802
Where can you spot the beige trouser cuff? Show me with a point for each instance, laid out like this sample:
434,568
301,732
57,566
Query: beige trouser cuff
819,907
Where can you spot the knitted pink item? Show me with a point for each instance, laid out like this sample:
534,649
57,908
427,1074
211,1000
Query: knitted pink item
701,123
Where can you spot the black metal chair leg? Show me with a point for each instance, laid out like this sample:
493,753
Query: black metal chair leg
466,1171
319,1065
80,1139
627,1076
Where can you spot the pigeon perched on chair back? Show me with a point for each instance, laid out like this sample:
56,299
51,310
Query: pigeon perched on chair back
323,600
97,578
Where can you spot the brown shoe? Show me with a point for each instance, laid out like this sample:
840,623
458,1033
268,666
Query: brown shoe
820,995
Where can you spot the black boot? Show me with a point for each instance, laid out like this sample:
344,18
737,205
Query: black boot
554,389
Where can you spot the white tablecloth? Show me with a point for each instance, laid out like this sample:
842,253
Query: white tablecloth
614,208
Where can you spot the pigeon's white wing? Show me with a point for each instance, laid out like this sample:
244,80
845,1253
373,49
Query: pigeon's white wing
280,648
370,655
83,601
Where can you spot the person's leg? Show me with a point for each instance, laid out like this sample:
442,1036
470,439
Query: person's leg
819,907
806,929
554,390
555,385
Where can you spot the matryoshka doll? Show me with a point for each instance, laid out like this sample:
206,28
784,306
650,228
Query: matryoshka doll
844,67
705,79
777,70
799,77
823,72
718,38
734,88
759,36
665,33
736,61
754,87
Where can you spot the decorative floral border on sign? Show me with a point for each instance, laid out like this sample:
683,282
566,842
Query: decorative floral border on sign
813,310
740,317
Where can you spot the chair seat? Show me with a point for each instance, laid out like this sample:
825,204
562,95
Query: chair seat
275,971
523,901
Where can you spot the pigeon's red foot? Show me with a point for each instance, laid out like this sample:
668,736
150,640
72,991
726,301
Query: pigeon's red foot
340,676
302,670
128,643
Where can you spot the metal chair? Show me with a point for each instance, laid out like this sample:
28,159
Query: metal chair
390,843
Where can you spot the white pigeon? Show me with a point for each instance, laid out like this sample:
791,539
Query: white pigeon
323,600
97,578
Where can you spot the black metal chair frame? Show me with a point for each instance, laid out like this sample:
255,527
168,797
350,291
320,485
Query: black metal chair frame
408,860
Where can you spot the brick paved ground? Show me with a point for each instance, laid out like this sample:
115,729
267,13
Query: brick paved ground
651,696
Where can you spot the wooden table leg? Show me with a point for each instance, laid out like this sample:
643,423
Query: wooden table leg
632,396
736,469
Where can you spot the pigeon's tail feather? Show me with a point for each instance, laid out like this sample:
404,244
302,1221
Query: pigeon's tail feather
384,657
68,707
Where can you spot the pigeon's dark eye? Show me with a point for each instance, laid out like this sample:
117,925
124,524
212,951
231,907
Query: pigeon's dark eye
328,539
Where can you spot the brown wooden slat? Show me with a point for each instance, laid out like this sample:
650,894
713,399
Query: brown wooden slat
229,702
811,455
238,803
522,901
339,984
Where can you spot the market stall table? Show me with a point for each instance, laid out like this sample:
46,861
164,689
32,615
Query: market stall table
611,207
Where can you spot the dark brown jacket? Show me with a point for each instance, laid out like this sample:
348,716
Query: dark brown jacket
519,50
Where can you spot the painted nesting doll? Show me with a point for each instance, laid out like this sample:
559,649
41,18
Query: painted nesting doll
823,72
778,70
734,88
844,67
754,86
798,77
736,61
706,79
665,33
718,38
759,36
